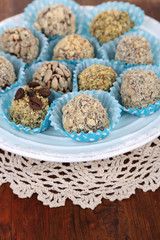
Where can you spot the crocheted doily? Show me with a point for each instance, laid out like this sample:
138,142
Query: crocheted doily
84,183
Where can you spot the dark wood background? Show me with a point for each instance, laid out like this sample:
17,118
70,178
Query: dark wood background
137,218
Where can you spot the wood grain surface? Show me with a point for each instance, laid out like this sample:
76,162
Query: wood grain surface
137,218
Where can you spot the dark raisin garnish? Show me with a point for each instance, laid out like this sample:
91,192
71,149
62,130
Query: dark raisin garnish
19,94
35,103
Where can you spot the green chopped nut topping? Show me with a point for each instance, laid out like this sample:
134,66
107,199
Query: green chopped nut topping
30,109
98,77
108,25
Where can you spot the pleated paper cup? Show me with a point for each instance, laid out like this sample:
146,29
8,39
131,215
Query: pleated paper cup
28,77
116,66
33,8
108,50
136,14
43,42
5,103
19,68
107,101
141,112
49,52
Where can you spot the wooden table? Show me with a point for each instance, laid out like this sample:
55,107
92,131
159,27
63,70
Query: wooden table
137,218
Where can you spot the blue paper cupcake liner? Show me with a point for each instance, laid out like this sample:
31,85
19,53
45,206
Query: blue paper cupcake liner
144,111
136,14
33,8
43,42
108,50
19,67
109,102
5,103
49,52
28,77
116,66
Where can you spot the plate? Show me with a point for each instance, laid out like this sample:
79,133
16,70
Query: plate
130,133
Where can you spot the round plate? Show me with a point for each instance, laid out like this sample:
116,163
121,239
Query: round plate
131,132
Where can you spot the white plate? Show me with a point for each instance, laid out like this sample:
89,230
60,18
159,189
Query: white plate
130,133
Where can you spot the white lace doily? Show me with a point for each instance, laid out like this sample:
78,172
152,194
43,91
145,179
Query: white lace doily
84,183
